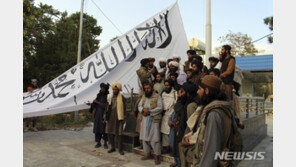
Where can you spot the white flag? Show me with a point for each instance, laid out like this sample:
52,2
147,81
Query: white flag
161,36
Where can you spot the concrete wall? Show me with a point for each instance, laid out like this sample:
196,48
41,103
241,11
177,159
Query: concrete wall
247,87
255,130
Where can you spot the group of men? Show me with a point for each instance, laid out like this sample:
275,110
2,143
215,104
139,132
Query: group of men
175,104
185,110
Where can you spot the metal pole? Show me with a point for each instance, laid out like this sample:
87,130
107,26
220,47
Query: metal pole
257,106
247,108
208,33
79,45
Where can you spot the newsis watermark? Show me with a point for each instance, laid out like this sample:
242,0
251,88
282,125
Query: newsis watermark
239,155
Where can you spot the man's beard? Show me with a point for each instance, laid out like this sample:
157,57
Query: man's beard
162,66
213,66
104,93
223,57
158,81
190,59
168,90
115,93
173,70
182,99
204,100
148,94
195,72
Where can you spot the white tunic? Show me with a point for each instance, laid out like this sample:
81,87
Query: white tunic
169,101
154,134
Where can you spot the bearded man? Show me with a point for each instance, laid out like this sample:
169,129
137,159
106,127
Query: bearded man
197,73
227,69
215,124
174,68
159,84
213,62
115,117
169,98
143,72
99,105
190,54
151,108
179,117
162,66
185,149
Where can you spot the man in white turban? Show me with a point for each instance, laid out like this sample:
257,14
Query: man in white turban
174,68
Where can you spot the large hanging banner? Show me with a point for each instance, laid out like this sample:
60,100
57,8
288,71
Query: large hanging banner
161,36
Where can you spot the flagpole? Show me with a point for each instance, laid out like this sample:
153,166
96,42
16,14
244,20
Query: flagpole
79,45
208,33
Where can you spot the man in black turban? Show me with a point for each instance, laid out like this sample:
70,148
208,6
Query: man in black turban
99,105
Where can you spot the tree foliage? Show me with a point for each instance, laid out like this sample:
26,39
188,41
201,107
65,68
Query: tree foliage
269,22
240,43
37,24
51,48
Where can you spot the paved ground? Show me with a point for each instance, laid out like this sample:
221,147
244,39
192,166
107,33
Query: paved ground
66,148
266,145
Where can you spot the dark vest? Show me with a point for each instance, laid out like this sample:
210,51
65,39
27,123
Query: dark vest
229,78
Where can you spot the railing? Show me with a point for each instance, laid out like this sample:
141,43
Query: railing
252,104
249,105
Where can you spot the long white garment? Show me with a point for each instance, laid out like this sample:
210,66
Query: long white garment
169,101
154,134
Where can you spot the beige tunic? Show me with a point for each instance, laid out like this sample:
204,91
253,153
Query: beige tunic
114,126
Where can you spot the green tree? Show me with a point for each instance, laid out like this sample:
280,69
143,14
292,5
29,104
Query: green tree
50,40
37,24
58,52
269,21
240,43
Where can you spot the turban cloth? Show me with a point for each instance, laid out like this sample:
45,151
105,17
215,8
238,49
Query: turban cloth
119,102
176,64
117,85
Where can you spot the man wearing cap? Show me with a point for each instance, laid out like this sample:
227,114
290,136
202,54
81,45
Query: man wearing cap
99,105
151,62
143,72
33,86
174,68
190,54
213,62
179,118
151,108
214,124
115,117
